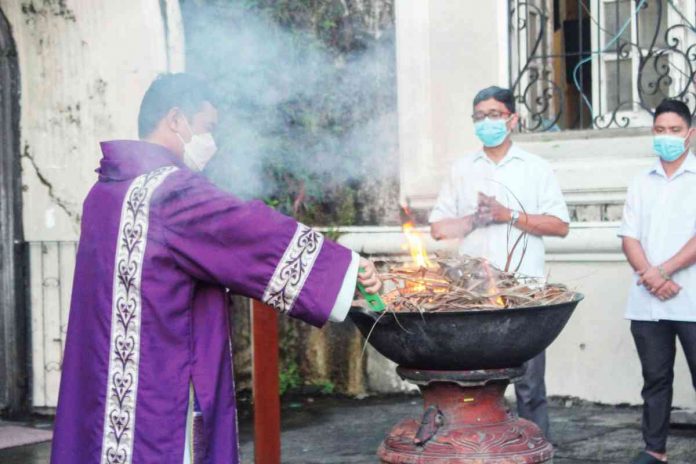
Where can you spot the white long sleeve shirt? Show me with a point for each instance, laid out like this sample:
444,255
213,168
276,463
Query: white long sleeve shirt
520,181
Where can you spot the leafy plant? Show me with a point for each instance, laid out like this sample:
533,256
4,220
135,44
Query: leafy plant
329,68
327,387
289,377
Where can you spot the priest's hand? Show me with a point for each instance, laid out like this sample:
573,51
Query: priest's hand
368,276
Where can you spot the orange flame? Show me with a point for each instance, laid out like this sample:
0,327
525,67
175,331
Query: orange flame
492,288
416,247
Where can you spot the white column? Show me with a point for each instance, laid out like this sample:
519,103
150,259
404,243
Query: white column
414,98
446,52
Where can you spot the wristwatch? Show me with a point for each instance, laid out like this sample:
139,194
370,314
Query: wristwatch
514,216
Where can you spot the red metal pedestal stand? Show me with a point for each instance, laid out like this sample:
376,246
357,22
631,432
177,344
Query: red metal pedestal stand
466,421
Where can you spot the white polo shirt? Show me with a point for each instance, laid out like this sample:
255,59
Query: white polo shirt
527,177
661,214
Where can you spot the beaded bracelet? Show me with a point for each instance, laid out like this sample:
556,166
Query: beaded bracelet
663,273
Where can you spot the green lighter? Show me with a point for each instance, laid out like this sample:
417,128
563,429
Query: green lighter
373,300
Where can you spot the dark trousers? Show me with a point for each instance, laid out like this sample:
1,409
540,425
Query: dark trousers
656,344
531,394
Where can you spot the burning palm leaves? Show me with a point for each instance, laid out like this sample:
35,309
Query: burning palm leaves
466,284
460,284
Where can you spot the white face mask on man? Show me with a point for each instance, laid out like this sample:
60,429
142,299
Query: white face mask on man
199,150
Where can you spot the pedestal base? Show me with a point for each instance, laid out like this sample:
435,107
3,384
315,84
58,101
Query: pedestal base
466,421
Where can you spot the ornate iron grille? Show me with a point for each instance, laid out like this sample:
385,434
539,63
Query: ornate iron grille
581,64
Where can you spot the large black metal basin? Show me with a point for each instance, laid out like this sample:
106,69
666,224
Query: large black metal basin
464,340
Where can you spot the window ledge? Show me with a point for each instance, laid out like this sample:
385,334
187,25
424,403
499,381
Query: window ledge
585,134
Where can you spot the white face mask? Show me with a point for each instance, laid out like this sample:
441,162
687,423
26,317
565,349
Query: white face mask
199,150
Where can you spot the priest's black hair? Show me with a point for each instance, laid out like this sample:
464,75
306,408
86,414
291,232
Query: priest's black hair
680,108
167,91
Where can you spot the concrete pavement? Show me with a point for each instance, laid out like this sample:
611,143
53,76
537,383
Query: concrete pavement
327,430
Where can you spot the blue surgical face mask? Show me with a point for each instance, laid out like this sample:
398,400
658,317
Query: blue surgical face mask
668,147
492,132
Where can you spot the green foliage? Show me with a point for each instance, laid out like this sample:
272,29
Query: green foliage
327,387
331,21
289,377
312,161
333,233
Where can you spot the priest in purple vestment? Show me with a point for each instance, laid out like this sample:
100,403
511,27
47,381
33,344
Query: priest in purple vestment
148,333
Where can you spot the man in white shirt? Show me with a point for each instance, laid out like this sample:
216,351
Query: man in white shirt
659,240
491,198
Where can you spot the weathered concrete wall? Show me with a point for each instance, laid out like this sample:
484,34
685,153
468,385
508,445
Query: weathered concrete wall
311,359
84,66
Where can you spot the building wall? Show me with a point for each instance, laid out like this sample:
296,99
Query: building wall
445,54
84,67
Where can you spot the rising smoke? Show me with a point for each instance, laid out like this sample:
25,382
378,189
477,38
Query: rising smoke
291,104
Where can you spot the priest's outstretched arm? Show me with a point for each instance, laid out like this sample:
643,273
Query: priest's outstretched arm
257,252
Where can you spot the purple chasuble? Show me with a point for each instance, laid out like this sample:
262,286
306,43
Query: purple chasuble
158,247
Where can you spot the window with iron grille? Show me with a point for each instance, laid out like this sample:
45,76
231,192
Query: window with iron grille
599,64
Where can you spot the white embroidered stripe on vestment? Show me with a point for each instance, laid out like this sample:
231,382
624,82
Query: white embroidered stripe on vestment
126,318
292,271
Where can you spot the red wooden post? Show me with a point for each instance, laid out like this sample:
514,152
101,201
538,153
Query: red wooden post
266,388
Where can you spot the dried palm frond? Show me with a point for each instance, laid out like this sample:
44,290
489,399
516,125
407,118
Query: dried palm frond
466,284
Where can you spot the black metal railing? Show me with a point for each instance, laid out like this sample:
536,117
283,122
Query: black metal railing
597,64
